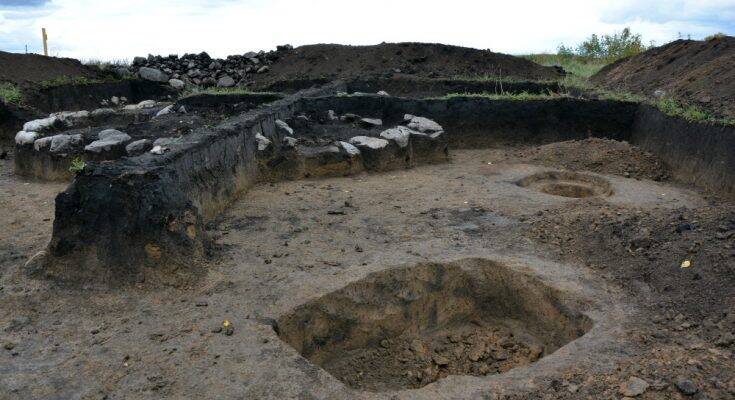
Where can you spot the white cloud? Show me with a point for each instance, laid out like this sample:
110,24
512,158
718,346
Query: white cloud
123,29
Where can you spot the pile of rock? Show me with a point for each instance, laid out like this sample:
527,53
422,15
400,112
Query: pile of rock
201,70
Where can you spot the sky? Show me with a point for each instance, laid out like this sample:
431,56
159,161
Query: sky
109,30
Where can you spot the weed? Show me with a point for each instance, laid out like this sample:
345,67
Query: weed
522,96
68,80
10,93
691,113
77,165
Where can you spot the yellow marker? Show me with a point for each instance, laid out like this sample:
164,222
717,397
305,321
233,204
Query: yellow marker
686,264
226,323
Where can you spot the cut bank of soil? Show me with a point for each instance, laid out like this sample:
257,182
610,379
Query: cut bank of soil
32,69
334,61
691,71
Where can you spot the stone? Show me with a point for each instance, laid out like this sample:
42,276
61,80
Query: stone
177,84
64,143
130,107
370,122
115,100
152,74
165,110
17,323
332,116
368,142
633,387
23,138
42,143
440,360
349,117
158,150
686,387
225,82
289,141
40,125
138,147
383,93
351,150
146,104
399,134
263,69
283,129
139,60
262,141
107,140
100,112
425,125
70,118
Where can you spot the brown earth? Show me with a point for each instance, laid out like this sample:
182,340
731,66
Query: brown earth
694,72
417,59
283,245
30,69
603,156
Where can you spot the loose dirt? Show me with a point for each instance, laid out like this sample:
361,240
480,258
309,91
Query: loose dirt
31,69
395,59
694,72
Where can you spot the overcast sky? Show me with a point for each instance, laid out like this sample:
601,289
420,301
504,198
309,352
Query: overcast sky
108,30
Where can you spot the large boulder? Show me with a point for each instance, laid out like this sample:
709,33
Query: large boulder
283,129
225,82
152,74
40,125
422,124
379,154
177,84
138,147
110,144
399,134
65,143
23,138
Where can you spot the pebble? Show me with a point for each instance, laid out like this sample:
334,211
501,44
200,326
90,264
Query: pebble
633,387
686,387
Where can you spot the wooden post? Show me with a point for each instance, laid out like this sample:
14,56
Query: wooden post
45,42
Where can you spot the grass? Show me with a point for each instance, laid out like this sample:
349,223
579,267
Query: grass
77,165
68,80
223,91
10,93
688,112
579,66
522,96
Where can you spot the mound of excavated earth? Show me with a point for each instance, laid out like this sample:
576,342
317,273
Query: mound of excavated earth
24,69
419,59
694,72
326,62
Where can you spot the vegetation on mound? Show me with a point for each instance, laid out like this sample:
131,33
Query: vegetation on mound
691,113
224,91
10,93
73,80
522,96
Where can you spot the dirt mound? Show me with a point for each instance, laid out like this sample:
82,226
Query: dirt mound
387,59
694,72
598,155
26,69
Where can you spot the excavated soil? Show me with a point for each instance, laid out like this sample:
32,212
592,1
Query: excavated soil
332,61
31,69
284,246
694,72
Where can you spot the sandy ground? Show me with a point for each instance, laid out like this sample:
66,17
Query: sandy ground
287,243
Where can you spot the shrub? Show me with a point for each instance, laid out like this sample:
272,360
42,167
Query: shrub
607,47
77,165
10,93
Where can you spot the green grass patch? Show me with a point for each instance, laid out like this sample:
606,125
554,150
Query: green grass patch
68,80
10,93
579,66
689,112
522,96
77,165
225,91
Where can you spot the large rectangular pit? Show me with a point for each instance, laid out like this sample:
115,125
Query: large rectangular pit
151,209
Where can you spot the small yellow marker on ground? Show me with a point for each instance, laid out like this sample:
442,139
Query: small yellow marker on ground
686,264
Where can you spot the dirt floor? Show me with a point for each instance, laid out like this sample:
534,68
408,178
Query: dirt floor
694,72
32,69
652,264
416,59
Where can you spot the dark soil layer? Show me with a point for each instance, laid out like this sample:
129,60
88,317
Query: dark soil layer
694,72
28,69
388,59
597,155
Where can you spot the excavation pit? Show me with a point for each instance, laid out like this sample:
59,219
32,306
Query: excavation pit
408,327
567,184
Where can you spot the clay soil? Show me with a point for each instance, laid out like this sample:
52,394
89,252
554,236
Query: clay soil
694,72
287,243
332,61
31,69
